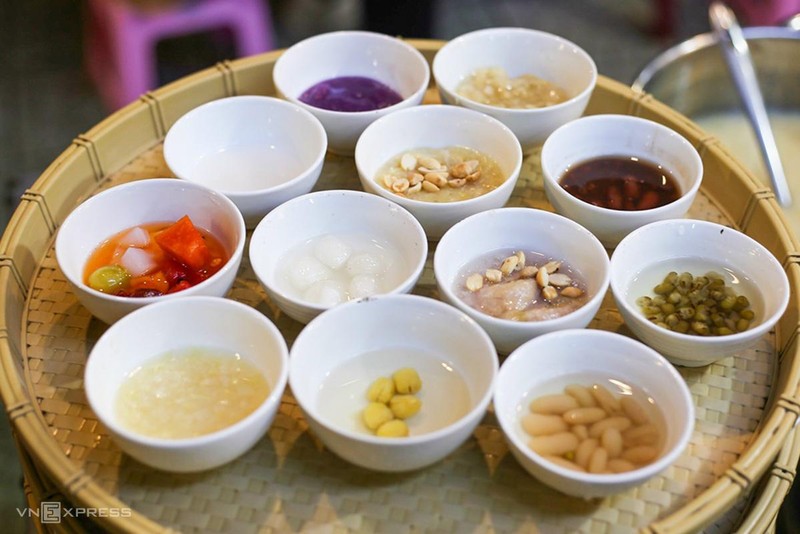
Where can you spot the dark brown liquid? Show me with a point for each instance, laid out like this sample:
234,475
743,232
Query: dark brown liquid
621,183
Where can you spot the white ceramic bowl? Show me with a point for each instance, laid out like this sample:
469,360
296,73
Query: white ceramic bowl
438,127
338,213
643,259
258,151
519,51
338,355
547,364
174,325
618,135
351,53
529,230
141,202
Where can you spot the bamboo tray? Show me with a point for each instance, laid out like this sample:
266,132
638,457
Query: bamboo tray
747,403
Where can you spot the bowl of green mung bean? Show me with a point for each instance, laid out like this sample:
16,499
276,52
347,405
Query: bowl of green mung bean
697,291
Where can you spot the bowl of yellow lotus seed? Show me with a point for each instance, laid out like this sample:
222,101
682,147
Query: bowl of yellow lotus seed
697,291
393,382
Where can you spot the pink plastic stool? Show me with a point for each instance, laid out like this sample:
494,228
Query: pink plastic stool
765,12
120,45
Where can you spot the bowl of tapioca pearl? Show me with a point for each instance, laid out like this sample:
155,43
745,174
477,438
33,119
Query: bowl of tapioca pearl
592,413
348,79
532,81
330,247
190,384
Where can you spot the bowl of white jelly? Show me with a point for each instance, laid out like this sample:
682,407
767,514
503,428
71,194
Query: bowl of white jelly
326,248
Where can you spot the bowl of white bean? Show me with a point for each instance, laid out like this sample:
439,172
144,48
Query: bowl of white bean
329,247
592,413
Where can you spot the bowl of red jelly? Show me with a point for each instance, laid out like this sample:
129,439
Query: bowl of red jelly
615,173
348,79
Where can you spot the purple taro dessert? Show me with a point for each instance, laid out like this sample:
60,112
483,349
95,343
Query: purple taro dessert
350,93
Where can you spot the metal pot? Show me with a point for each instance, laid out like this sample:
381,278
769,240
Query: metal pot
693,79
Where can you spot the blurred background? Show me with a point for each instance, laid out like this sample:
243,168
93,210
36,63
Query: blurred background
47,97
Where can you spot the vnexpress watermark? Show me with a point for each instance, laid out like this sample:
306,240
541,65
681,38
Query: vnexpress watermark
55,512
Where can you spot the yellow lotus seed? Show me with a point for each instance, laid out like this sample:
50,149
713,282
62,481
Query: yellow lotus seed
406,380
404,406
396,428
376,414
381,390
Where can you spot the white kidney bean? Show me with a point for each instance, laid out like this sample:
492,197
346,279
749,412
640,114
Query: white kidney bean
557,444
618,465
634,410
618,422
640,455
553,404
581,431
598,460
581,394
584,416
611,440
537,424
590,429
606,399
584,451
646,434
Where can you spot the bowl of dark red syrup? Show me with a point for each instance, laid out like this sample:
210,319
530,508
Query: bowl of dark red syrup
348,79
615,173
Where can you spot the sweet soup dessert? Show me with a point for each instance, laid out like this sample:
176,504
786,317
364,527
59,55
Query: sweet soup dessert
440,175
188,393
334,268
621,183
350,93
588,428
492,86
392,400
521,286
154,259
416,409
702,305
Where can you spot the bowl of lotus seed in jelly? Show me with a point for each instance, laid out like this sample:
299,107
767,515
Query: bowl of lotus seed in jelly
393,383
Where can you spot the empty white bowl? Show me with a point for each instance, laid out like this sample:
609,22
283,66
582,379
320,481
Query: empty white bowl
256,150
529,230
142,202
385,59
175,325
600,136
643,259
346,215
547,364
340,353
519,51
438,127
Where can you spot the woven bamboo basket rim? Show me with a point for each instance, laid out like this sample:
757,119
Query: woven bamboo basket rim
82,168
